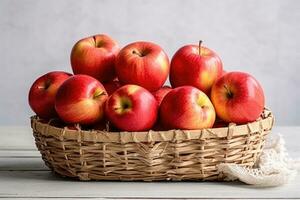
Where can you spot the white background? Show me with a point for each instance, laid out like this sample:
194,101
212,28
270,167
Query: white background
257,36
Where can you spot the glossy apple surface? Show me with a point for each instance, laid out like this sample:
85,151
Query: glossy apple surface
197,66
95,56
161,93
186,107
238,97
42,93
132,108
80,99
144,64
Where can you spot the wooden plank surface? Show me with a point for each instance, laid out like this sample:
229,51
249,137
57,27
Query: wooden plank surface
24,175
45,184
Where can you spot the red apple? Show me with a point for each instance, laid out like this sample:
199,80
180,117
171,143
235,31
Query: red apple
42,93
238,98
95,56
132,108
161,93
186,107
112,86
80,99
197,66
144,64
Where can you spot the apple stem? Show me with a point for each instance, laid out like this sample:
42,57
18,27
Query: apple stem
98,93
95,41
200,42
137,53
46,85
229,93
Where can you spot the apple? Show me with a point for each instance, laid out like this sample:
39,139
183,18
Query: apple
188,108
132,108
238,97
95,56
42,93
112,86
80,99
161,93
197,66
144,64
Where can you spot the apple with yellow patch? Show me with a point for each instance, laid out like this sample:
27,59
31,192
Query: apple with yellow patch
132,108
188,108
95,56
80,99
143,63
197,66
238,97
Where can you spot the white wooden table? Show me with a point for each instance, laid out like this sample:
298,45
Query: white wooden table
23,175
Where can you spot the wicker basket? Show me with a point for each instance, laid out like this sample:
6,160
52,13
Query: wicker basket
153,155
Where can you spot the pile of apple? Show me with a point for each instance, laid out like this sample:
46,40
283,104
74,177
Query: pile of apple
125,88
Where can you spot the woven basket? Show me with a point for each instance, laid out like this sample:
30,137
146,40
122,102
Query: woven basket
153,155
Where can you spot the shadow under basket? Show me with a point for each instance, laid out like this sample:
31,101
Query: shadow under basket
153,155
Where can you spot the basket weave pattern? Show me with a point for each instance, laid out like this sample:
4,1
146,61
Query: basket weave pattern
153,155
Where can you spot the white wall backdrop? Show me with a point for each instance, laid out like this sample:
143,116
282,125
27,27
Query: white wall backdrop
257,36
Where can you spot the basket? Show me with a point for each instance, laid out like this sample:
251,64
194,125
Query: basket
153,155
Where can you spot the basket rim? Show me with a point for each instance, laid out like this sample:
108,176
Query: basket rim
264,123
